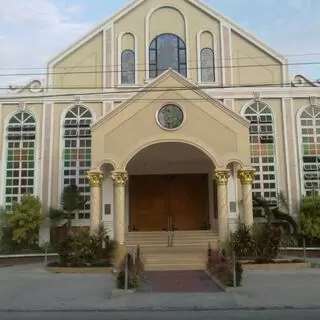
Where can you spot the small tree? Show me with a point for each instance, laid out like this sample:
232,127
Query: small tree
71,202
25,219
274,215
310,216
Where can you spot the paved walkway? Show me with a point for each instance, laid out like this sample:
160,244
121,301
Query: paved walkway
32,288
178,281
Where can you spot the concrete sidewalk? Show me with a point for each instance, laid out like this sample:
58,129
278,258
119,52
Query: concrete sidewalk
33,288
287,288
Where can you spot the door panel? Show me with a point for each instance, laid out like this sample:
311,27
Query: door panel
189,201
155,198
148,203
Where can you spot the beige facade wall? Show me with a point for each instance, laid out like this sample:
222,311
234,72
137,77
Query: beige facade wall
241,61
82,68
253,66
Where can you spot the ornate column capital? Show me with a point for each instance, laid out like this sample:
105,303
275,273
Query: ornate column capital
246,176
95,178
222,176
119,177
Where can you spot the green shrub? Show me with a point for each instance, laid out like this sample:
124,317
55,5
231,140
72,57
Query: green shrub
242,241
268,241
221,267
310,216
135,273
86,250
261,241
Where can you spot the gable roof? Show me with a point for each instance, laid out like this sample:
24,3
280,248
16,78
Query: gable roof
184,82
197,3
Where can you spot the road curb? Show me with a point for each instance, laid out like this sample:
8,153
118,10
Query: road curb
164,309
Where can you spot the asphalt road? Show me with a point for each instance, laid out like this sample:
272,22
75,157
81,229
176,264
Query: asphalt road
178,315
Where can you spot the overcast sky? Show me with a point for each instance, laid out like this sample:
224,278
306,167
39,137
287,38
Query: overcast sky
33,31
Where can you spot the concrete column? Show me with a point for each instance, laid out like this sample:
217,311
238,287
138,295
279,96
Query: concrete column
246,177
95,179
222,176
119,178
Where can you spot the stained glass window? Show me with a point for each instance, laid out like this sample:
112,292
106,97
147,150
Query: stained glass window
207,65
167,51
127,67
310,149
20,171
77,153
263,152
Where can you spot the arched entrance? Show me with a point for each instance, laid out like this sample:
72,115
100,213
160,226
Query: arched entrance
170,188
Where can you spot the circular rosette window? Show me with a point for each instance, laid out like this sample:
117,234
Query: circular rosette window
170,117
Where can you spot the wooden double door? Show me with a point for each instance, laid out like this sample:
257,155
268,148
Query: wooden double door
159,202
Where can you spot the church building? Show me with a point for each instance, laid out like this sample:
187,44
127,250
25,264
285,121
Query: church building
168,117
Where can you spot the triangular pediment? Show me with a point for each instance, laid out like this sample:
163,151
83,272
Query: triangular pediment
197,4
182,85
207,123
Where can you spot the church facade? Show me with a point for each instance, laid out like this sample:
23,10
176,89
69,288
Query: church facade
167,116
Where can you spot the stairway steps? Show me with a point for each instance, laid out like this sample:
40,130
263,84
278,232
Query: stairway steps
189,251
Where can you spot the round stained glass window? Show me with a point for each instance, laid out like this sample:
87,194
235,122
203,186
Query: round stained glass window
170,117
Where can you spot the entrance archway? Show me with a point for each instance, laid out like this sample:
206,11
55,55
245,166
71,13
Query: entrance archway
170,188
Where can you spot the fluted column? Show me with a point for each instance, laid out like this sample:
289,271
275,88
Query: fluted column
119,179
246,177
95,179
222,176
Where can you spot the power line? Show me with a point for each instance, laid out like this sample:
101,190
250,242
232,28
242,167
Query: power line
144,70
188,61
144,90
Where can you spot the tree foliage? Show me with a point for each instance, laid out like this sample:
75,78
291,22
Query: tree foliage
310,216
25,219
71,202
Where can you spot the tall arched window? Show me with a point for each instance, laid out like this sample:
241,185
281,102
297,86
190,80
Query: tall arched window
20,169
77,153
207,65
310,149
128,67
263,152
167,51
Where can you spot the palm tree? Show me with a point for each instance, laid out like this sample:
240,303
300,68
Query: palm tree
274,215
71,202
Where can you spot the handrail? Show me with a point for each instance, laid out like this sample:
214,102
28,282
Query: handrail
170,232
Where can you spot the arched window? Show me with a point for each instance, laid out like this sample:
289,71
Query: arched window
207,65
167,51
20,169
128,67
77,153
310,149
263,152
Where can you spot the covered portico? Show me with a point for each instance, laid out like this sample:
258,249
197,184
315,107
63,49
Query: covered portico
166,159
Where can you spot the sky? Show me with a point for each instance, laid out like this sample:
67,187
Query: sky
34,31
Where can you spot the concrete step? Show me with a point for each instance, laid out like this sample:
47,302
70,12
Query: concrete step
182,250
173,267
179,237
